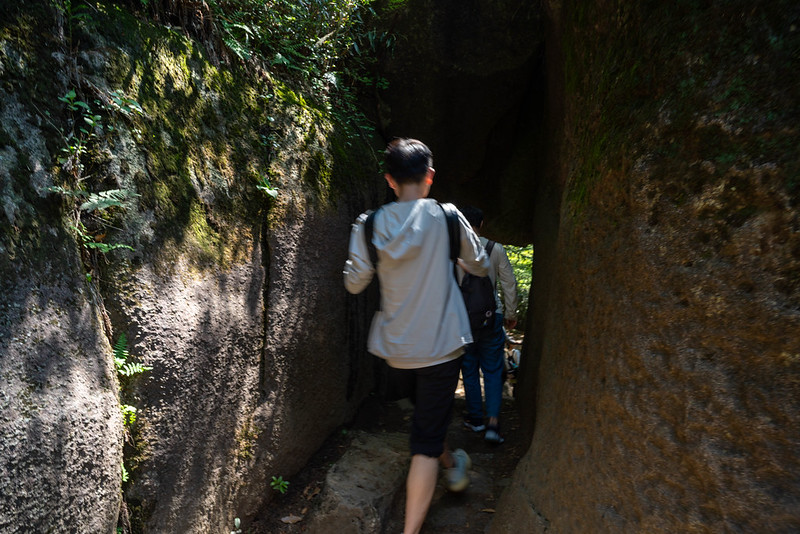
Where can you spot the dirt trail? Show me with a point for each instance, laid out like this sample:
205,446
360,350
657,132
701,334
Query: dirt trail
469,512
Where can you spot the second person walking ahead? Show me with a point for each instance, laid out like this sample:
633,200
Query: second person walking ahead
485,355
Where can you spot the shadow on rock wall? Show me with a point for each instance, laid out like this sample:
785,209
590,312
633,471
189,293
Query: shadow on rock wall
233,298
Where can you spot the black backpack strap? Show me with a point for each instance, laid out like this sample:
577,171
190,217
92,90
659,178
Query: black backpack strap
369,225
453,230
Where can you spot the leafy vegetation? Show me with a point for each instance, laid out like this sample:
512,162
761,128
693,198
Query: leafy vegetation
73,13
95,201
327,44
521,259
83,134
127,371
311,37
266,187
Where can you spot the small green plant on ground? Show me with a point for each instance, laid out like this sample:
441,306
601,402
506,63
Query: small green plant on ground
237,523
279,484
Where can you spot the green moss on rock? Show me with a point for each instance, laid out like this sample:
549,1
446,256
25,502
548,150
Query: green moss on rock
712,88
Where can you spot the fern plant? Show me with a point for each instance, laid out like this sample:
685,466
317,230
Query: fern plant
84,134
126,371
121,355
93,202
107,199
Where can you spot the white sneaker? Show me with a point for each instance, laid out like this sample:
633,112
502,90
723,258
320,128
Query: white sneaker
457,478
480,427
493,436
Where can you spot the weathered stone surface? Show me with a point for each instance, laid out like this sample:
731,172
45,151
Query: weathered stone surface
360,488
237,303
202,334
234,299
667,357
60,423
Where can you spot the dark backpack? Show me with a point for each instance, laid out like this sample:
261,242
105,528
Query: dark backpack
478,293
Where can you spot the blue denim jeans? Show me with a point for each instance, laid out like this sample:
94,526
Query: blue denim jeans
485,354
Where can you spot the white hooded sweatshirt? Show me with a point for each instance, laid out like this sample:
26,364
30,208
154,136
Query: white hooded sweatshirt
422,320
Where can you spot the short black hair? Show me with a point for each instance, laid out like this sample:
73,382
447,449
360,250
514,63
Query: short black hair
473,215
407,160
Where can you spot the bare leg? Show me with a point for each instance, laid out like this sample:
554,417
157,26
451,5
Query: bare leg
420,486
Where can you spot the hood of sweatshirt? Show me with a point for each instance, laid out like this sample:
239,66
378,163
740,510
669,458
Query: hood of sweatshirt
400,228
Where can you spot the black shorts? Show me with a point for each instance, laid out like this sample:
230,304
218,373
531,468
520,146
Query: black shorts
432,390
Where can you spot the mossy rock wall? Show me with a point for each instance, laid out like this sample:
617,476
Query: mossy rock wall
665,346
61,428
233,298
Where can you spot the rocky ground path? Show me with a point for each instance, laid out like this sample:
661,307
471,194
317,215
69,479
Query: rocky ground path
356,481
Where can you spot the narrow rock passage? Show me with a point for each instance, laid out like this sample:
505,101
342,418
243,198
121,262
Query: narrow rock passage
371,457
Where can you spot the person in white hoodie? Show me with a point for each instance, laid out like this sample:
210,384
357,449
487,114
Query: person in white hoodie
422,325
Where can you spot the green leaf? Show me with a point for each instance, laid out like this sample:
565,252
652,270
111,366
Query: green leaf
266,187
105,247
69,97
268,190
279,59
107,199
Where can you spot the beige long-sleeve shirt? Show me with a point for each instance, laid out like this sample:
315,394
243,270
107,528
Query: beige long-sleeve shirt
422,320
501,269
